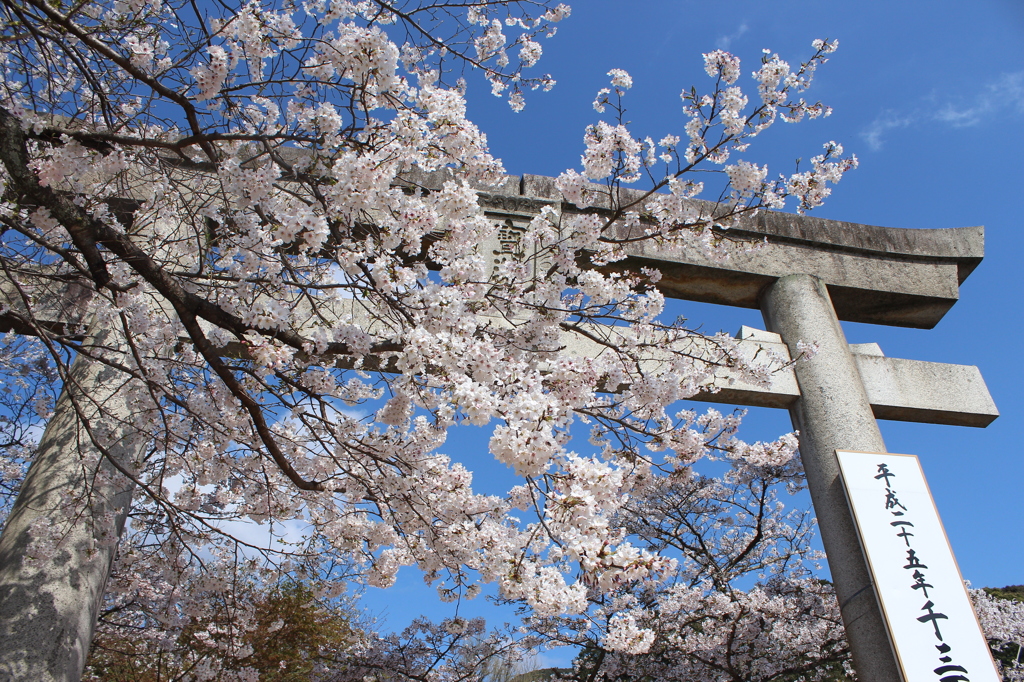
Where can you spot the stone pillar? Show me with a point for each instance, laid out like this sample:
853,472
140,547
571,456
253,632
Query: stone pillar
833,413
48,608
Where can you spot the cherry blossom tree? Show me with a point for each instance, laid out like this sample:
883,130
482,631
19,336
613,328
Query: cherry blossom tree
742,603
236,209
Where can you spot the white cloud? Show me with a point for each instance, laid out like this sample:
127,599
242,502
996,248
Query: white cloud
1000,97
886,121
274,537
1005,94
724,42
260,534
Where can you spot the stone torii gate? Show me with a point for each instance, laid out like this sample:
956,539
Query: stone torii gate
809,275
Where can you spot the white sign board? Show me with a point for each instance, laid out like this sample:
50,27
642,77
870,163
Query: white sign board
931,622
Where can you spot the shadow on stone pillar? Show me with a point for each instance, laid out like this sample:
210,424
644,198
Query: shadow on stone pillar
49,604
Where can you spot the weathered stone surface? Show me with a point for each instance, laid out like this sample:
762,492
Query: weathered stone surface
833,413
868,287
930,392
897,389
48,609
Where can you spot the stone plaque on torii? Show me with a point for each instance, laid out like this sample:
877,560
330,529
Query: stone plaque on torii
808,275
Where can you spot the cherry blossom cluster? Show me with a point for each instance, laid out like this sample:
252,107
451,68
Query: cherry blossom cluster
718,126
694,622
1002,621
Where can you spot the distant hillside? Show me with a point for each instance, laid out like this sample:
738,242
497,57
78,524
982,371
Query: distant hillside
1014,592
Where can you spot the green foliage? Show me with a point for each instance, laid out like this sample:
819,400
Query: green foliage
309,633
1009,654
1012,592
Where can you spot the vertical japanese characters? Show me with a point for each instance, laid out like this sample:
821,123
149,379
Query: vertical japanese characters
948,670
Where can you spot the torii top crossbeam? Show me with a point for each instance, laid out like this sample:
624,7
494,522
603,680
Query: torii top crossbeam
879,275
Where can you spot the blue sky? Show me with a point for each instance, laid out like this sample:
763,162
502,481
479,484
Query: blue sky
930,96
